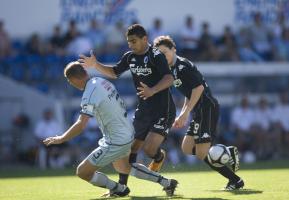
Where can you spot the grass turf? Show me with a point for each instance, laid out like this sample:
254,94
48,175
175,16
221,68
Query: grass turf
265,181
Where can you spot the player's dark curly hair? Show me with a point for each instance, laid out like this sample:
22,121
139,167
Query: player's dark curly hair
136,29
164,40
74,69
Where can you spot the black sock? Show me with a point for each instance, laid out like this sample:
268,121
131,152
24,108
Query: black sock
132,158
224,171
123,178
194,151
159,156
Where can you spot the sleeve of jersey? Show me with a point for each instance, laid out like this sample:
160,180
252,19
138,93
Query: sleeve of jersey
121,66
192,76
161,64
88,103
87,109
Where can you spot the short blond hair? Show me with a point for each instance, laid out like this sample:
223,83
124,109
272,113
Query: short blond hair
74,70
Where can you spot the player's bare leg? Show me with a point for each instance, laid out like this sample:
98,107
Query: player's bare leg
202,150
89,173
123,176
123,167
188,144
152,149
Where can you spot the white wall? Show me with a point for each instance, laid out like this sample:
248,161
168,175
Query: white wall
22,17
173,12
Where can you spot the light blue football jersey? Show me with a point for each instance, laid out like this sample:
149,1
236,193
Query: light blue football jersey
102,101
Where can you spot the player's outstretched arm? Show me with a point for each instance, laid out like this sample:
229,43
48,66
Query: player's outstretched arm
90,61
73,131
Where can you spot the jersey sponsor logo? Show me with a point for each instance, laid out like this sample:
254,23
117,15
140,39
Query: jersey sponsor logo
177,82
140,70
112,94
106,84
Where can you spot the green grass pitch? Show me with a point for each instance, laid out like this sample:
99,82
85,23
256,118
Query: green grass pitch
263,181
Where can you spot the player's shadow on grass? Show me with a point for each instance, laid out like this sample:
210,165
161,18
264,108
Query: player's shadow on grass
157,197
161,198
146,197
241,192
173,197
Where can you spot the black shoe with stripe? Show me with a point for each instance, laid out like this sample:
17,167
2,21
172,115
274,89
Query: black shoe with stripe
170,190
114,193
235,185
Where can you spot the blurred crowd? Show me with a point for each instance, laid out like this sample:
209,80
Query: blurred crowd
260,131
257,41
39,60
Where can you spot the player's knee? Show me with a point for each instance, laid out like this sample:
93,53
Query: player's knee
81,173
187,149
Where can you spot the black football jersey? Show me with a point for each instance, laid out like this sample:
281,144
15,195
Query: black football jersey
148,68
188,77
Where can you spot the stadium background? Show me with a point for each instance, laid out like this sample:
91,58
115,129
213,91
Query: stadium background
246,65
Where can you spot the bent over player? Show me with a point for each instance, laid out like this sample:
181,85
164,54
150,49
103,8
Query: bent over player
101,100
198,140
152,78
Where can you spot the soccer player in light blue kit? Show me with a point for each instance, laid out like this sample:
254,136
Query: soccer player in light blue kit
102,101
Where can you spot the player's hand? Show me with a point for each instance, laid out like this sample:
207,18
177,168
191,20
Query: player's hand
145,91
53,140
87,61
180,121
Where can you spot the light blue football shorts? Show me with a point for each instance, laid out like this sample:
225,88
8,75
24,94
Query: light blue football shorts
104,155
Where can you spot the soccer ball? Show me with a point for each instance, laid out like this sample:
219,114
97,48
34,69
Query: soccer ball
218,155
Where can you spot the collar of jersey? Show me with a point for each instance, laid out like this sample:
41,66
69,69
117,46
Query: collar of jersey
174,60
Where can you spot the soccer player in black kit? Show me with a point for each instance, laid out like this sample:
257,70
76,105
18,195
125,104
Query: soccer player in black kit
155,112
198,139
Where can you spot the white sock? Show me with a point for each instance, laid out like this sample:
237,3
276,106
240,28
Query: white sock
101,180
142,172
